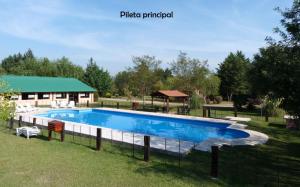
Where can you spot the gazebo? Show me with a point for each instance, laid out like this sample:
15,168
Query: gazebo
166,94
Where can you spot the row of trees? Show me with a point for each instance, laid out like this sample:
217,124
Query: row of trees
28,64
189,75
274,72
145,76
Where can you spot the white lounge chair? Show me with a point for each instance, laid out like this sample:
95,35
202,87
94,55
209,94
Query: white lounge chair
29,107
28,131
53,104
21,109
71,104
63,104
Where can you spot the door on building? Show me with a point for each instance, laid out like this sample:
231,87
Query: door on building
73,97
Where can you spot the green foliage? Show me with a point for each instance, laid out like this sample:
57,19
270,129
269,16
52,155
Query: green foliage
193,75
97,78
276,68
7,107
196,101
218,99
122,81
28,64
233,72
270,105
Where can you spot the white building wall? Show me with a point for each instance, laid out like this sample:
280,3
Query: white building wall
52,98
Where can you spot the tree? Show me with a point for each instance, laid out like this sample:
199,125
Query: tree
122,81
98,78
233,72
65,68
192,75
143,75
278,65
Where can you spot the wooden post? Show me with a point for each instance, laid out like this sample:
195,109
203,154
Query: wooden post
204,112
62,133
101,103
118,105
11,123
152,101
34,122
235,112
87,103
98,139
168,105
266,118
146,148
49,135
20,121
214,161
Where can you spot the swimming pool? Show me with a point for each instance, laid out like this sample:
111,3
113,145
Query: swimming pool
162,126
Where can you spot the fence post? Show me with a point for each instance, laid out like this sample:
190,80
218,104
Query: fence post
235,112
87,103
20,121
266,118
62,133
146,148
209,112
214,161
118,105
101,103
98,139
34,122
11,123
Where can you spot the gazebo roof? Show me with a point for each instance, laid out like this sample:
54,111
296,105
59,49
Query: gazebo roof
169,93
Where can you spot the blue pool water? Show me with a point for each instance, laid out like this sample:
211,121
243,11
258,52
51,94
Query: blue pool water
167,127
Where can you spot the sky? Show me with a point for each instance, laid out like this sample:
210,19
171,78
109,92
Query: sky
204,29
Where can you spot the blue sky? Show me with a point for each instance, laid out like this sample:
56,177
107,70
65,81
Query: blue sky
205,29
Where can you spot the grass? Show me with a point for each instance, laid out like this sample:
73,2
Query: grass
37,162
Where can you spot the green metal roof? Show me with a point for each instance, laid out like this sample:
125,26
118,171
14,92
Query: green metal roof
45,84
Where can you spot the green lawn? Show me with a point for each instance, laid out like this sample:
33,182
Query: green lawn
37,162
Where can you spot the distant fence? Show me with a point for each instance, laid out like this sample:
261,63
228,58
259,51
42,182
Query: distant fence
205,111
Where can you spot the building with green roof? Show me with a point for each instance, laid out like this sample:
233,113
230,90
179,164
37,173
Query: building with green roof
43,90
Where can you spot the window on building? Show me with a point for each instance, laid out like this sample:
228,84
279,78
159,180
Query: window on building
28,96
61,95
85,95
43,95
14,97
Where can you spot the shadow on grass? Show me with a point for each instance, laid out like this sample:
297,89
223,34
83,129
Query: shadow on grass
277,125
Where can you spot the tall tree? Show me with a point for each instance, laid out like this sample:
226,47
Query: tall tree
278,65
97,78
233,72
192,76
143,74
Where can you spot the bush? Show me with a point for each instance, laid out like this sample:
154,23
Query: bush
108,95
218,99
239,100
196,101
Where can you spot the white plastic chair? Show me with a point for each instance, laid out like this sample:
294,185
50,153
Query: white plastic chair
71,104
21,109
28,131
53,104
29,107
63,104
